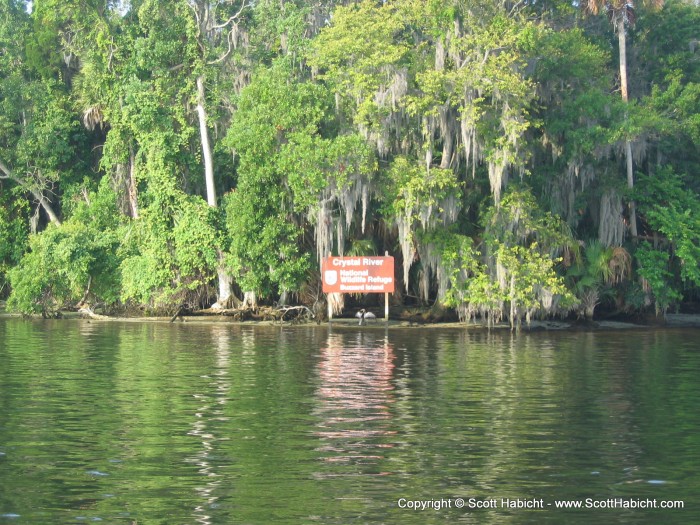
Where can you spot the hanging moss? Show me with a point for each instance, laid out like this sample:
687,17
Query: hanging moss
611,226
418,200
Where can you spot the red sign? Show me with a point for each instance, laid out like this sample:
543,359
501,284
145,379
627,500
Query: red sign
357,274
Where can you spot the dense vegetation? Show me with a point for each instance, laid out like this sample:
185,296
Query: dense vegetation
517,158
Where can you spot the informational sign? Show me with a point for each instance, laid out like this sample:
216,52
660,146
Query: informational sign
358,274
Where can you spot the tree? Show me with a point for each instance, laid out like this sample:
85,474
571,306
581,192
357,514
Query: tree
14,230
263,231
523,245
622,14
73,263
417,201
439,90
240,141
216,36
598,267
295,173
32,112
210,34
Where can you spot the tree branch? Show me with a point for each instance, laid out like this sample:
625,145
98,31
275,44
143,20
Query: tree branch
234,17
228,51
229,37
5,170
39,196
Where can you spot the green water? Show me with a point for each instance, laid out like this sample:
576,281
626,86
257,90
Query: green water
215,424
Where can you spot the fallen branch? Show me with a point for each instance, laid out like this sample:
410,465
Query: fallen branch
87,312
286,309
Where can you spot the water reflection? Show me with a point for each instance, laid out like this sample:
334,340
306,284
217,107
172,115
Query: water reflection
232,424
354,395
213,399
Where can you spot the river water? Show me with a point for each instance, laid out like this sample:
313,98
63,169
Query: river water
137,423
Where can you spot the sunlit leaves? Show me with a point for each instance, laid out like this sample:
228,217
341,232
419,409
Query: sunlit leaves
420,196
357,66
523,243
63,264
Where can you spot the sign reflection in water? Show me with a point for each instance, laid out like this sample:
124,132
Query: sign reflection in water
354,397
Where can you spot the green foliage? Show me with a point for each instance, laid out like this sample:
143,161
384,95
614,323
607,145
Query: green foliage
52,139
674,210
273,121
364,126
357,67
416,199
146,269
13,234
456,262
290,164
656,277
591,276
97,208
264,253
484,297
593,270
280,28
314,164
578,112
682,227
196,239
170,251
43,47
679,104
416,196
360,247
523,246
666,42
529,281
519,221
70,262
62,265
521,275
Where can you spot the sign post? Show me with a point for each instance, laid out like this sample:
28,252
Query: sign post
386,295
358,275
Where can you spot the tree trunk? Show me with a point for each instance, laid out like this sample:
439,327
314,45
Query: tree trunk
622,41
447,149
250,300
630,185
622,44
206,146
225,283
38,195
133,193
47,207
225,280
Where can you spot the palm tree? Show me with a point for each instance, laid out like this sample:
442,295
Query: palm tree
594,274
622,14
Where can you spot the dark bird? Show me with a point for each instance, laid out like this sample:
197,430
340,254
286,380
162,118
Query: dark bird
364,314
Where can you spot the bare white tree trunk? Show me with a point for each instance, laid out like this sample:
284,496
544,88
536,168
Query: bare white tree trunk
206,146
250,300
622,44
225,280
209,29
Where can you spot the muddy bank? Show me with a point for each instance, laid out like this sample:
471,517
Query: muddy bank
670,321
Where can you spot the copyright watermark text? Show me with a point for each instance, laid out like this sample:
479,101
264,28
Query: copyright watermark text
536,504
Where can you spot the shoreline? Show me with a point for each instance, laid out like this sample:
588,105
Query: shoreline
670,321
